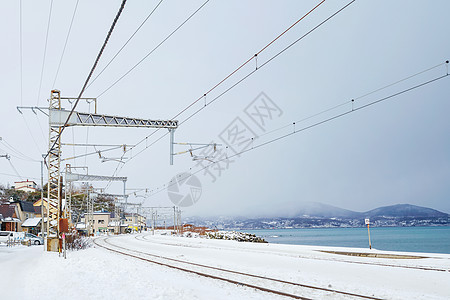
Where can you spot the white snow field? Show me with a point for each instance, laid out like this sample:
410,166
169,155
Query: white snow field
31,273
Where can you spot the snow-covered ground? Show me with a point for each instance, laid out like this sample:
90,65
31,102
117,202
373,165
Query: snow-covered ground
31,273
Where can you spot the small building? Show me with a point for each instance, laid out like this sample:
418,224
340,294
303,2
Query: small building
10,220
15,213
115,225
32,225
81,228
100,221
26,186
26,210
136,221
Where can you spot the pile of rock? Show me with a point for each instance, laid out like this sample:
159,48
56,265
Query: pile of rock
236,236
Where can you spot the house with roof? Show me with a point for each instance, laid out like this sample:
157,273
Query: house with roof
26,210
37,207
32,225
98,222
117,227
135,221
10,220
15,214
26,186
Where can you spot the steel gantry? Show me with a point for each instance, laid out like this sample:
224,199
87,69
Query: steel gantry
58,119
71,177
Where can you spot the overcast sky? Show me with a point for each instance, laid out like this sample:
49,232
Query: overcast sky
396,151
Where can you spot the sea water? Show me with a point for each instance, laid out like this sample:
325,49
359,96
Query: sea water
410,239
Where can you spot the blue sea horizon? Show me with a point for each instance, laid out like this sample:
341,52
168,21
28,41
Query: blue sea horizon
433,239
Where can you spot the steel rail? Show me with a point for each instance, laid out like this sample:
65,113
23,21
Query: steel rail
425,268
233,272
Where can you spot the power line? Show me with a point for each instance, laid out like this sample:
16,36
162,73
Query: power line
310,127
45,52
12,166
249,60
153,50
234,85
242,79
90,74
126,43
15,171
19,157
92,153
40,127
21,55
31,134
347,102
18,176
14,150
65,44
211,89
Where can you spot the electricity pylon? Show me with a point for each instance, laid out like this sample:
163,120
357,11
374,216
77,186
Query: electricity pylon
57,120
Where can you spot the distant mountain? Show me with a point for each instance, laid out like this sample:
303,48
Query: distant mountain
316,209
405,210
319,215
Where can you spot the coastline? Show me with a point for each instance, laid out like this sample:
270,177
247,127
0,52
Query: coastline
434,239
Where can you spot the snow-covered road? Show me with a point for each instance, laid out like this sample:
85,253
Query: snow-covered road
31,273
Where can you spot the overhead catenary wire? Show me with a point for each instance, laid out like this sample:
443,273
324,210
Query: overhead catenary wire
15,171
21,52
31,134
45,52
351,110
65,44
292,124
239,81
91,153
40,127
14,150
248,60
126,43
348,101
89,76
268,61
19,156
96,145
120,166
18,176
153,50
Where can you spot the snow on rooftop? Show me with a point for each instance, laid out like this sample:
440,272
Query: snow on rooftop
10,219
31,222
81,226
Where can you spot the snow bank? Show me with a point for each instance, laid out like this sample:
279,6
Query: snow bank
235,235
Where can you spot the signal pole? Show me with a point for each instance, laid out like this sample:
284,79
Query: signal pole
368,231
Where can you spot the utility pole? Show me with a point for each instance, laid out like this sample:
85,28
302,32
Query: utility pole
367,221
42,201
174,219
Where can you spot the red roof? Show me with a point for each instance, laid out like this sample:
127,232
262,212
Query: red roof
24,181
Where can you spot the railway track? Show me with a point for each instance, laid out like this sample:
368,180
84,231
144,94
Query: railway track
334,259
277,286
